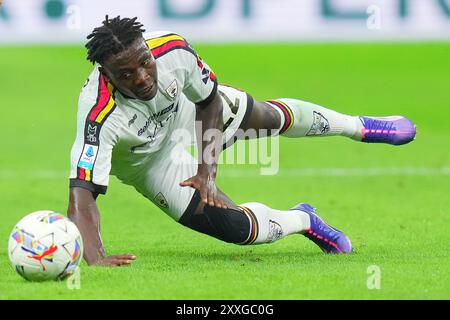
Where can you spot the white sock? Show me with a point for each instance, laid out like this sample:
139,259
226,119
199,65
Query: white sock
269,225
305,119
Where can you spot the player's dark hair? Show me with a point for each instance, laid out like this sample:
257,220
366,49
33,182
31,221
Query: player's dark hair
112,37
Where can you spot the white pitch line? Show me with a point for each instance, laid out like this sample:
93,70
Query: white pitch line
344,172
283,172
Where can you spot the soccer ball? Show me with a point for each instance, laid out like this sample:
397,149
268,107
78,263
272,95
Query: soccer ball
45,245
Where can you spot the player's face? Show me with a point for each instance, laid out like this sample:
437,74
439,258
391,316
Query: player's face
133,71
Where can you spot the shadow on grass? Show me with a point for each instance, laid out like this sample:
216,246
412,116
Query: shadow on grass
272,257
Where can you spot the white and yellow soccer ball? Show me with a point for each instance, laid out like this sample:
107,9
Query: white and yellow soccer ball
45,245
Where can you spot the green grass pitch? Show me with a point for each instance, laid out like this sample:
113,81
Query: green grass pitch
395,208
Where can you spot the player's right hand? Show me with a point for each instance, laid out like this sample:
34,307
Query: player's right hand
116,260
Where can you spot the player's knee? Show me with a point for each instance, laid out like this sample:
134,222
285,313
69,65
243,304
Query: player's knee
230,225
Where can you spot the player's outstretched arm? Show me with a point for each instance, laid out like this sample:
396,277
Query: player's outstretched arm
83,211
210,118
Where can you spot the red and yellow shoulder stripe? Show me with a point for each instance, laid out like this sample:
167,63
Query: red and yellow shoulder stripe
96,117
105,102
167,43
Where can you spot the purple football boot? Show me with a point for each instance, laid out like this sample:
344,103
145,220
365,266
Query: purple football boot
394,130
329,239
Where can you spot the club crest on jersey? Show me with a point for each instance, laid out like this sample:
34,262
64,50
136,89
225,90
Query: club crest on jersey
172,90
88,157
92,131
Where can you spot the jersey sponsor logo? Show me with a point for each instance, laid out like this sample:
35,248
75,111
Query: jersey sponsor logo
88,157
144,128
172,90
156,119
132,120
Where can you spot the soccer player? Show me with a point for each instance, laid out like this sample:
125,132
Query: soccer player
148,90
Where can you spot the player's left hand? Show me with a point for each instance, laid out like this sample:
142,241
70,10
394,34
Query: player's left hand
206,185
